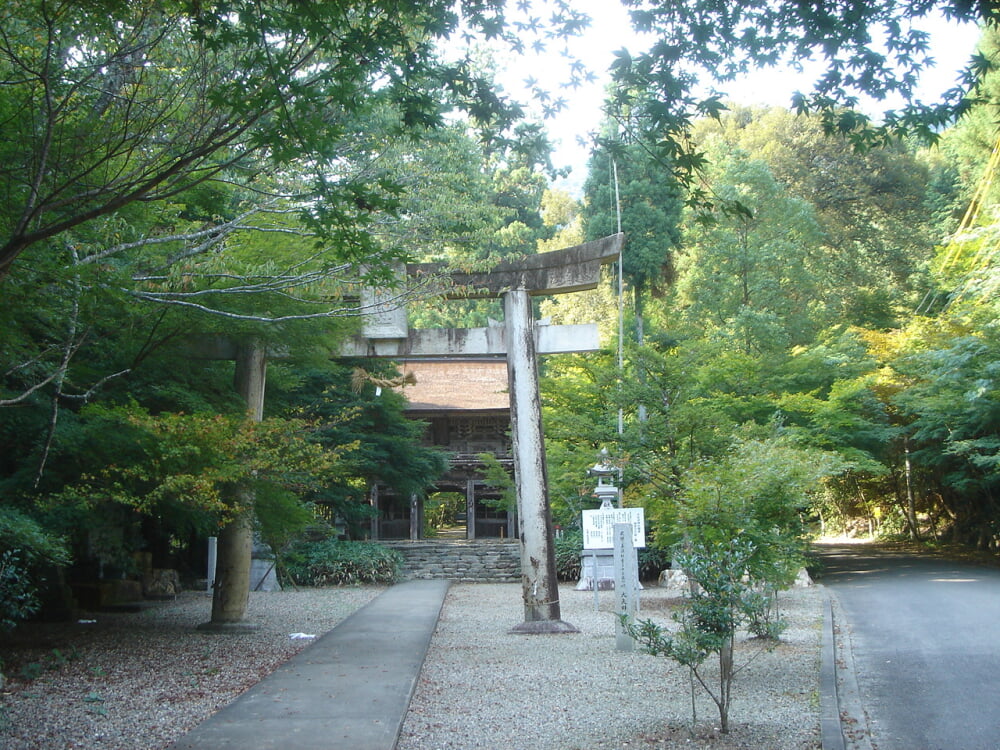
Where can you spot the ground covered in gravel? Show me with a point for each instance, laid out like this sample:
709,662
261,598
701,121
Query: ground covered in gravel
140,680
484,688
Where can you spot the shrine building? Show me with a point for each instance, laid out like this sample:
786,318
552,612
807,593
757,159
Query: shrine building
466,405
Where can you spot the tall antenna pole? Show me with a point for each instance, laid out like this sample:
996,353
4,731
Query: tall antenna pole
621,298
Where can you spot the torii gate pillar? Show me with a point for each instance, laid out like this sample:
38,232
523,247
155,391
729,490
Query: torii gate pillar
538,562
231,589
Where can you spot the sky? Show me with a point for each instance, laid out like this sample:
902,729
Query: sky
610,31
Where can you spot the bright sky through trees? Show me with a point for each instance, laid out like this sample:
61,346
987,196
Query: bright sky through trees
610,31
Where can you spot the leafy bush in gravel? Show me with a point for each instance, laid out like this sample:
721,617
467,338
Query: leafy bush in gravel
653,560
329,562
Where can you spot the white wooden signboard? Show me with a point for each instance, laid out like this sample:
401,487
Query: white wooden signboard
599,526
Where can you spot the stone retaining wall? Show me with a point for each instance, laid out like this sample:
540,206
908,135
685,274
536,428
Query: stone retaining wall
480,561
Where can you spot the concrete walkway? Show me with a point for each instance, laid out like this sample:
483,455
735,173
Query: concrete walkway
349,690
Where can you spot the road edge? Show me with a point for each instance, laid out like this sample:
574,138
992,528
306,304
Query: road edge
843,715
831,731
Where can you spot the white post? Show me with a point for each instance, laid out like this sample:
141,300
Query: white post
213,551
593,581
626,583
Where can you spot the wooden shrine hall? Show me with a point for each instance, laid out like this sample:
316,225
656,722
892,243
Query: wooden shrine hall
466,405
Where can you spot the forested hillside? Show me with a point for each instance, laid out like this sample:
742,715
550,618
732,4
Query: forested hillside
836,303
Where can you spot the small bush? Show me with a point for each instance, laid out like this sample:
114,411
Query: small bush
568,548
330,562
18,600
652,562
25,549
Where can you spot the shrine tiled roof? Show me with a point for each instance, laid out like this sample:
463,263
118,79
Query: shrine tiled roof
456,385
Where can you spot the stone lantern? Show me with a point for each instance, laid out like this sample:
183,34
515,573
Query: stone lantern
597,569
606,491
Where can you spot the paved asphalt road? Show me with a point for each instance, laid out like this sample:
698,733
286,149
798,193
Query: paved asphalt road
926,636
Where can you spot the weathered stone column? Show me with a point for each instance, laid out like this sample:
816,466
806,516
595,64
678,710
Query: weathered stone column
538,564
415,520
232,572
235,550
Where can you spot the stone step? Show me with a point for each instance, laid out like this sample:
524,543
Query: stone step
480,561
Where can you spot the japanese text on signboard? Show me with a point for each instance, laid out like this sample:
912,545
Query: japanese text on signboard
599,524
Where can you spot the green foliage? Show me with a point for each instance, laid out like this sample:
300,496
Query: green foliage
748,277
723,599
193,462
759,494
18,597
497,476
182,122
329,562
736,529
280,516
442,509
569,545
24,536
653,560
650,204
567,550
368,429
869,236
579,414
134,480
873,49
26,551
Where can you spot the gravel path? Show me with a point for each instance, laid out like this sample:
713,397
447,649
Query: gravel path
484,688
139,681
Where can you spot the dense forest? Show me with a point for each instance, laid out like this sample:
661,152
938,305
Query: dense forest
810,297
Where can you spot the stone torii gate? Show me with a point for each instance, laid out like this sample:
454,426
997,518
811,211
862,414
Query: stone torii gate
386,334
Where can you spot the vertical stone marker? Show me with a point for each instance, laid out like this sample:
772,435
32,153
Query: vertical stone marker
626,584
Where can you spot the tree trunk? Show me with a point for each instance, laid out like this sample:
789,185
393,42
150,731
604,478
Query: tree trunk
911,511
725,684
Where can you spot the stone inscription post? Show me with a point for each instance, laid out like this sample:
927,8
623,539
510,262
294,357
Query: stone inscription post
626,584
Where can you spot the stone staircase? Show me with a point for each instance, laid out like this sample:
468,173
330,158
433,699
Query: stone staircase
477,561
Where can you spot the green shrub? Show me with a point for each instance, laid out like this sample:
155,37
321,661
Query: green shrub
33,544
25,549
329,562
568,548
18,599
724,600
652,562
